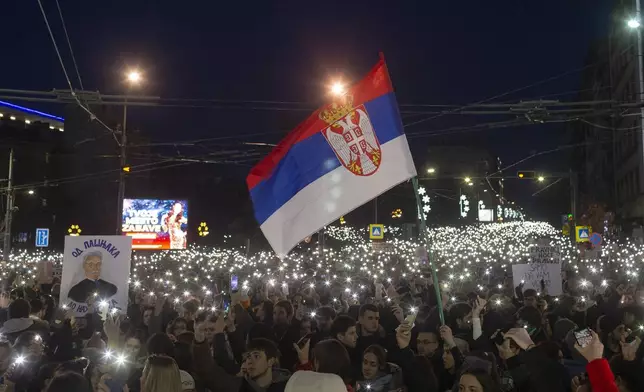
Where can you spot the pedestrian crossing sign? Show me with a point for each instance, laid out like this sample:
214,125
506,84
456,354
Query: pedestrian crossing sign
376,231
583,233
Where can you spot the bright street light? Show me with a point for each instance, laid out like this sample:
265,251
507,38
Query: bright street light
634,23
338,89
467,179
431,170
31,191
134,76
541,178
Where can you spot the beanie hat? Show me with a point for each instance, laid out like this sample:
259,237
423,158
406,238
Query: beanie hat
561,329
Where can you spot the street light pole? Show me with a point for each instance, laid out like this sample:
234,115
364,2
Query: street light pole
134,77
123,152
9,212
640,68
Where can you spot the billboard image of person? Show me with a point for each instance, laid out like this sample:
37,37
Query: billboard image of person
156,224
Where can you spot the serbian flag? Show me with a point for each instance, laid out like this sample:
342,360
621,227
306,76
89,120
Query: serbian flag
345,154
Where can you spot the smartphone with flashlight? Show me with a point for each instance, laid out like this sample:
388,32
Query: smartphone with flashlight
234,283
583,336
411,318
302,342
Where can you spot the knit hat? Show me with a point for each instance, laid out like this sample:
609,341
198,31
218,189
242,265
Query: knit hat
608,323
305,381
561,329
187,381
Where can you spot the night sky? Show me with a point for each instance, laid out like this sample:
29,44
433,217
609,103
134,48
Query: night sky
445,52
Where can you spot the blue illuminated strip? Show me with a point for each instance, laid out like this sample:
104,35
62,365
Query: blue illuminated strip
24,109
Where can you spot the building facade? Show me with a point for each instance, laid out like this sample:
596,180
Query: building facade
610,160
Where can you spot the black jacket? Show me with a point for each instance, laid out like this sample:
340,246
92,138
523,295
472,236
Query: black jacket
86,287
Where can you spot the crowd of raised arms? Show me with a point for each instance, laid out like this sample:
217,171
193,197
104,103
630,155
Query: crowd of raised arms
502,338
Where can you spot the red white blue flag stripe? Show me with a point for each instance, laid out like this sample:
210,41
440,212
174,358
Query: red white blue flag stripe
339,158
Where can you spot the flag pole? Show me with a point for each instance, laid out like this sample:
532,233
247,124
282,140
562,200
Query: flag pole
426,240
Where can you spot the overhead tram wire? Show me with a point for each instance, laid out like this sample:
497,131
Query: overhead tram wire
546,80
69,82
69,45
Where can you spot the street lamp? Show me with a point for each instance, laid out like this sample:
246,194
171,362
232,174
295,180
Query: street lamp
338,89
467,179
133,78
541,178
31,191
431,170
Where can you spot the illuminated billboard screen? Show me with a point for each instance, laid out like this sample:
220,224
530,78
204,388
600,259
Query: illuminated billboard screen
156,224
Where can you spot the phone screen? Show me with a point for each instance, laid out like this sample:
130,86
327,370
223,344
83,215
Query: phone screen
584,337
234,283
302,342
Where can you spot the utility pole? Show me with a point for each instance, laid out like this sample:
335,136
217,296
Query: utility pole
121,192
375,212
573,207
9,212
640,73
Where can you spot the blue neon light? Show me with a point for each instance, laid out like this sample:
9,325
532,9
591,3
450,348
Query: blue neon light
24,109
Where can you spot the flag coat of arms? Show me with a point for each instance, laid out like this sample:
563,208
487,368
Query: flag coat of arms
345,154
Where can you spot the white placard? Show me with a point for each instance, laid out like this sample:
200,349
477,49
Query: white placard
532,274
545,253
486,215
95,264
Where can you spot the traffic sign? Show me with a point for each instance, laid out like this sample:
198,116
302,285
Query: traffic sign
583,233
42,238
595,239
376,232
565,230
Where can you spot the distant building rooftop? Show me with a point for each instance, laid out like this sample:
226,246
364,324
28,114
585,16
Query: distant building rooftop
13,112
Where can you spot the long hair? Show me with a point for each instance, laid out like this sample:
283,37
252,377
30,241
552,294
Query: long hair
70,382
160,374
332,357
488,382
380,354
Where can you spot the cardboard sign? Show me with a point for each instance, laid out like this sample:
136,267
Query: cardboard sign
95,269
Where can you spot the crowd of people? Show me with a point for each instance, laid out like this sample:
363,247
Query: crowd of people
392,337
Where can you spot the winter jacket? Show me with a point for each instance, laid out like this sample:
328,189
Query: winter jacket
12,328
389,380
600,376
216,379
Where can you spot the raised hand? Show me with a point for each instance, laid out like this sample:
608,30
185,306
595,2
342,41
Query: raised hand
220,324
592,351
521,337
303,353
398,312
112,328
447,336
403,335
478,307
629,350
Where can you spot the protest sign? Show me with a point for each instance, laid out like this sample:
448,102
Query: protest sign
95,269
544,264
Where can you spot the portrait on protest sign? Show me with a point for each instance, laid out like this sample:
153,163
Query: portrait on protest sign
95,269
